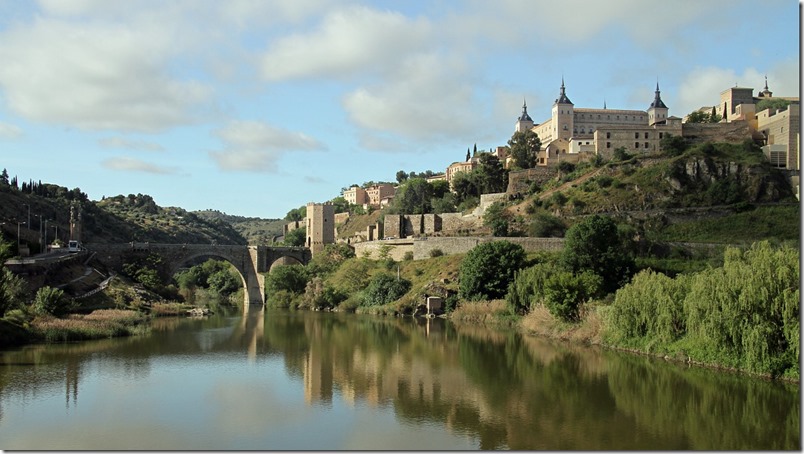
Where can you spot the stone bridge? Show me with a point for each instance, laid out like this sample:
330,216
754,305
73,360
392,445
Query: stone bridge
250,261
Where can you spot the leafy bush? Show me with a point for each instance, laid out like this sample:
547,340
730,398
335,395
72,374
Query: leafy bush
408,256
487,269
51,301
12,290
289,278
496,218
383,289
546,225
745,314
558,289
597,245
650,307
436,252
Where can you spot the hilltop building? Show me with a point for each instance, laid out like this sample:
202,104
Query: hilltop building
574,133
374,196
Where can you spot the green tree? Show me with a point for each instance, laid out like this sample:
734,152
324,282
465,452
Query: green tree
596,244
440,188
340,205
414,197
546,225
497,219
12,291
384,289
289,278
673,145
465,186
493,178
772,103
297,214
51,301
296,237
401,176
524,148
699,116
224,282
488,269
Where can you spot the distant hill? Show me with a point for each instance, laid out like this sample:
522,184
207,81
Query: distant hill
254,230
111,220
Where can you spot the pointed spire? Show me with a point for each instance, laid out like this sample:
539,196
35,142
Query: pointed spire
657,100
766,93
525,116
562,98
604,103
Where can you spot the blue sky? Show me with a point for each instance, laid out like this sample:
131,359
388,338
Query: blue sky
257,107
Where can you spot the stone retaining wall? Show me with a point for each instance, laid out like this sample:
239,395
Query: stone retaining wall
422,247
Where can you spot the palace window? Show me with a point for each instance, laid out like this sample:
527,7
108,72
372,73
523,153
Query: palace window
608,135
661,135
646,135
636,135
608,144
636,144
646,145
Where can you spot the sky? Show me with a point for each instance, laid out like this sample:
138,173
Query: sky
254,108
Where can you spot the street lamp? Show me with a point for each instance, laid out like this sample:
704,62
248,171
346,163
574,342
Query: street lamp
46,234
18,233
29,215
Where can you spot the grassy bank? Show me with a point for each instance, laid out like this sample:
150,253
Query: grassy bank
99,324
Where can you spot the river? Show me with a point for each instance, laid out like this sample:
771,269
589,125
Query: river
277,380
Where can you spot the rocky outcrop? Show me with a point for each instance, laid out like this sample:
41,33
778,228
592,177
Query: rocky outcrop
753,183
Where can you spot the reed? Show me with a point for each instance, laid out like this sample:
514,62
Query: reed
99,324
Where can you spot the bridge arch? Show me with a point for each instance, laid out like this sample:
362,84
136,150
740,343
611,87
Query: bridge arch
250,261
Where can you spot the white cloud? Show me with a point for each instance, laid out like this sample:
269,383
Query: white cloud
256,146
429,98
136,165
702,86
348,42
97,75
121,142
9,131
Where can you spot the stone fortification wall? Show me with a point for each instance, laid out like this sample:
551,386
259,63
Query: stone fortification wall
391,225
487,199
431,223
462,245
372,249
734,132
453,222
422,248
412,224
519,181
340,218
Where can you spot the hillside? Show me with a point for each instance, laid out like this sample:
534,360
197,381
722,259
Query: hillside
254,230
694,187
111,220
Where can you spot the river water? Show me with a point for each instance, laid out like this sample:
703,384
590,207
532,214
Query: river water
273,380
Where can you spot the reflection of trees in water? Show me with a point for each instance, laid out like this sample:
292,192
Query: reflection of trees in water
508,390
713,410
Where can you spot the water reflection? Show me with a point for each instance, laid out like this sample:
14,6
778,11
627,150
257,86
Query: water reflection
487,389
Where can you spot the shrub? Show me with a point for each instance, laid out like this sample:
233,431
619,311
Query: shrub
51,301
436,253
487,270
559,290
546,225
289,278
383,289
597,245
651,306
